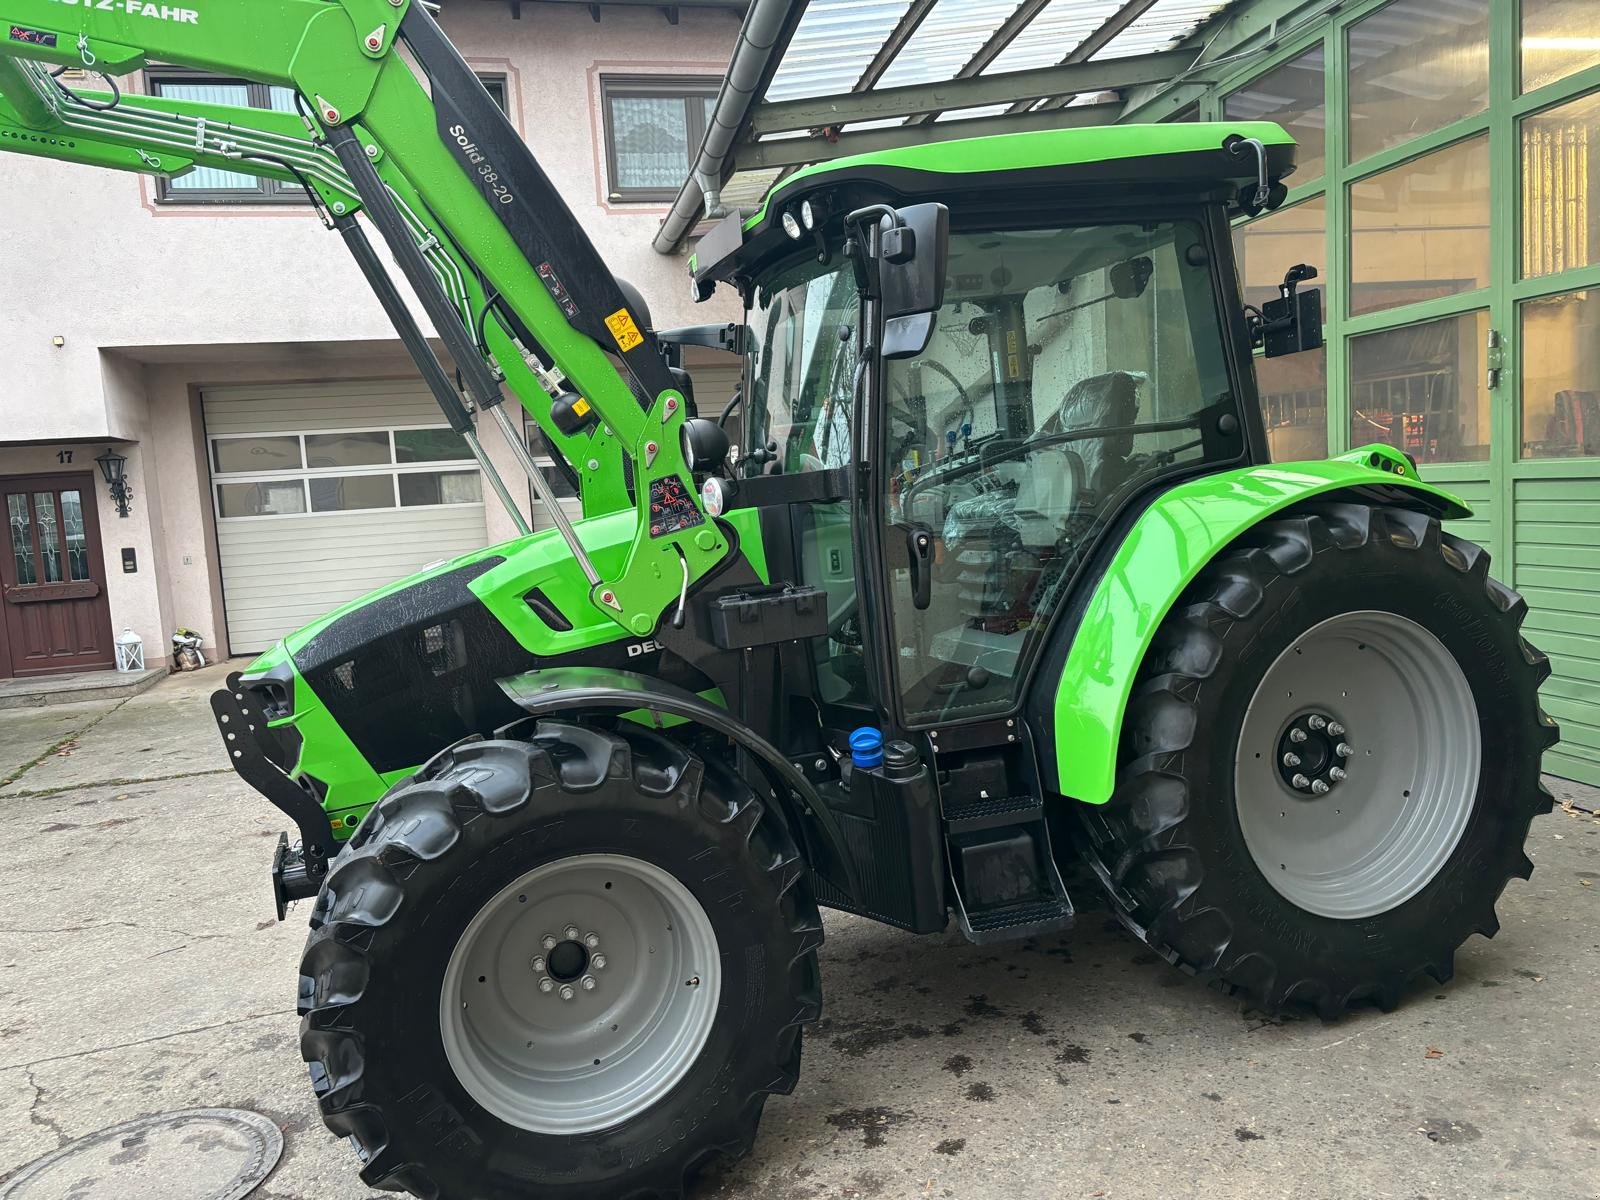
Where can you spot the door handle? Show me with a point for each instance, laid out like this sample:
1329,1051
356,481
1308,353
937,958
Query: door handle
919,550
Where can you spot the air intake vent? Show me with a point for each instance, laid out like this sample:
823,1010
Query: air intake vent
546,611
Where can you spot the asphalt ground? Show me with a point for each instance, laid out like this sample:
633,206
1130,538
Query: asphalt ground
142,971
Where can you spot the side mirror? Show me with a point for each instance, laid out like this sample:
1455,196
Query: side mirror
913,256
1292,322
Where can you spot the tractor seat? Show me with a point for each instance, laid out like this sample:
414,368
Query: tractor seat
1100,401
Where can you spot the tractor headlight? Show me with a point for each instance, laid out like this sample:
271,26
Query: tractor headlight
808,215
704,443
791,225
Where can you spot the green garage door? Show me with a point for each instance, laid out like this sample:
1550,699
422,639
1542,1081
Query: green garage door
1449,189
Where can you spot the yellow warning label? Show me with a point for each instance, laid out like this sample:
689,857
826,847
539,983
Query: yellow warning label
624,330
1013,367
1011,341
581,407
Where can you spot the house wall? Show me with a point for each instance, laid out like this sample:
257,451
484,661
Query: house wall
122,271
156,302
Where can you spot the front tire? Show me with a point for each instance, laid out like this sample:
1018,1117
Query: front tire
571,967
1329,762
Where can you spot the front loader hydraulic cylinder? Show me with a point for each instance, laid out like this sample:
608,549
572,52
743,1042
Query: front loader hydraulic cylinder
541,486
481,384
381,210
427,362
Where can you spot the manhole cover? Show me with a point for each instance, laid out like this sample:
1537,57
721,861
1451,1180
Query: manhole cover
196,1154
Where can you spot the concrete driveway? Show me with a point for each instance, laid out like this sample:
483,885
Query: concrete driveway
141,971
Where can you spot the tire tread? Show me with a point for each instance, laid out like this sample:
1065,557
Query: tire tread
1138,836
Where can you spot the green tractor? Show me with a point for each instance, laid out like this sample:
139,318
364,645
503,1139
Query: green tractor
998,603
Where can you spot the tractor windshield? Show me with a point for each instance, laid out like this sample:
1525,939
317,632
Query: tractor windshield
1068,367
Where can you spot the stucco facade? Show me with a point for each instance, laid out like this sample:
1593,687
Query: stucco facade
153,303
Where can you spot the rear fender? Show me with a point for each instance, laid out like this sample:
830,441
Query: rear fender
1162,552
563,691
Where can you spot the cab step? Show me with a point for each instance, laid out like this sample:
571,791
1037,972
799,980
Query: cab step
992,814
1006,884
1019,921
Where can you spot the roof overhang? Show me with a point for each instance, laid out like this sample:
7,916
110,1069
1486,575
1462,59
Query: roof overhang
814,80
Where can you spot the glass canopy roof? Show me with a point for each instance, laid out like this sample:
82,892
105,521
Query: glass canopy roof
841,82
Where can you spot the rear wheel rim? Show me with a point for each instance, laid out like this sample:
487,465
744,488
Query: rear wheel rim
580,994
1356,831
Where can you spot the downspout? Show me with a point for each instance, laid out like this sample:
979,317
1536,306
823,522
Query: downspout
762,33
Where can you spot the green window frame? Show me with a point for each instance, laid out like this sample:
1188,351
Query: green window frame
1487,483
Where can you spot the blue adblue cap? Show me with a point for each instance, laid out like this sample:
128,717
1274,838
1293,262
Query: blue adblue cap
866,747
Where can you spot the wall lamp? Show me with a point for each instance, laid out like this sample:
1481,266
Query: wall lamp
111,466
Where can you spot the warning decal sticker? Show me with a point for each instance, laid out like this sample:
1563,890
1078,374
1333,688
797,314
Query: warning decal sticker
557,289
33,37
624,330
672,508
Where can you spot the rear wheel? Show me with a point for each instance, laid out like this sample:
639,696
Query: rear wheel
569,967
1329,762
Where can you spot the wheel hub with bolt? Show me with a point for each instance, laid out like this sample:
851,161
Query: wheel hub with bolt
580,994
568,963
1313,753
1345,826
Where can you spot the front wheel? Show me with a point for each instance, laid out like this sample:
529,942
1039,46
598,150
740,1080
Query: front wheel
1330,761
571,967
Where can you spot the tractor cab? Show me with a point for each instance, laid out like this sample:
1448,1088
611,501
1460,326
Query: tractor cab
948,404
1081,341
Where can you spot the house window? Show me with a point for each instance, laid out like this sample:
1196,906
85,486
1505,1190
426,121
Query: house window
653,126
495,85
208,185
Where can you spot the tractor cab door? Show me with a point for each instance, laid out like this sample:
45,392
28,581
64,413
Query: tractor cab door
1067,369
800,397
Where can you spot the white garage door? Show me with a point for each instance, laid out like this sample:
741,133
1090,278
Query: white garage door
324,492
713,385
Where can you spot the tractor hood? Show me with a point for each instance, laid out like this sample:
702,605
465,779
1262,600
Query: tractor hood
376,687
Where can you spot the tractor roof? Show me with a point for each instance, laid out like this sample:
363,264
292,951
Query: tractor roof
1057,167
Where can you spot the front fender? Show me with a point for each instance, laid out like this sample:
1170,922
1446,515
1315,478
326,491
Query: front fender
563,691
1166,548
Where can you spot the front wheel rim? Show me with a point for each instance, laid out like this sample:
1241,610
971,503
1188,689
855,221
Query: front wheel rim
580,994
1369,815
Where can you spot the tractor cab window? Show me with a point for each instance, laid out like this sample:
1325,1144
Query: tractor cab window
1068,367
802,371
800,391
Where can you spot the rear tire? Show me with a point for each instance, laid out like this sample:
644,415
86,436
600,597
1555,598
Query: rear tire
440,902
1223,857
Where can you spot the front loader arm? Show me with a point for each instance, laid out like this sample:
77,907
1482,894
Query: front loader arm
508,235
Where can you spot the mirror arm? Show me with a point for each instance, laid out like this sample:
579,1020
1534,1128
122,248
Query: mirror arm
728,337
